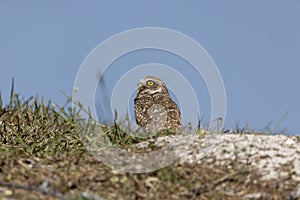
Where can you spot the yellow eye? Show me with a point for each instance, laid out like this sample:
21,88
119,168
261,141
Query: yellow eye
150,83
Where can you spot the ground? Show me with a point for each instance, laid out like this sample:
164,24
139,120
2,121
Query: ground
42,157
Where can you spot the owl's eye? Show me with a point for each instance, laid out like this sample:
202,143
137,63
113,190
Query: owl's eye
150,83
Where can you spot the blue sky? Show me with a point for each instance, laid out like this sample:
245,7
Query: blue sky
255,44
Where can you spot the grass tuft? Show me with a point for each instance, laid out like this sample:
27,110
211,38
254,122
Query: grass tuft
36,128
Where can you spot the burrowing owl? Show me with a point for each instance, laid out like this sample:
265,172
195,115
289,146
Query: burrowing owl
154,109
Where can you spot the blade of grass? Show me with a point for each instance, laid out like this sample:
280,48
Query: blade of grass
11,100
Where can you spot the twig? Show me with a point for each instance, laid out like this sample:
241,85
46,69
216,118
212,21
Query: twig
229,176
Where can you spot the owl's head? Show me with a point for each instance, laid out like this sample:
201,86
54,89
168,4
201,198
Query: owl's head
151,85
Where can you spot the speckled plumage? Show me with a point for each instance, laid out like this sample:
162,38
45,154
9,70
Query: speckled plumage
154,109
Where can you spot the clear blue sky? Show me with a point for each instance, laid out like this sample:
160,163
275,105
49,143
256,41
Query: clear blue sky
255,44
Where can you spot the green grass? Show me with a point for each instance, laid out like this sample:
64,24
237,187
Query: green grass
37,128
